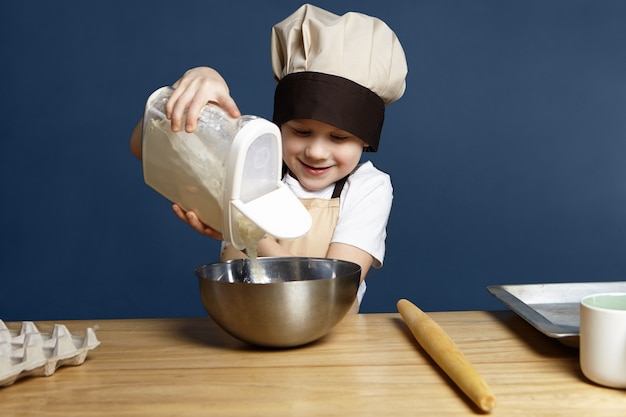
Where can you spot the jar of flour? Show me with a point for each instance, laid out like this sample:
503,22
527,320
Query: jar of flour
228,171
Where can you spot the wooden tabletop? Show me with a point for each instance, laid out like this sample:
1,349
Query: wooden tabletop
369,365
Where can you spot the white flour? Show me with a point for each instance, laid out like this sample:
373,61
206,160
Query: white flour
251,234
203,158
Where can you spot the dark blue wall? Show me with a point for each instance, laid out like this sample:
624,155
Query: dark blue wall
507,153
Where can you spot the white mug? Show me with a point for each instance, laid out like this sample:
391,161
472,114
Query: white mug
603,338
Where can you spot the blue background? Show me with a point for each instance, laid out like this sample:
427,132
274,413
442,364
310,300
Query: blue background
507,152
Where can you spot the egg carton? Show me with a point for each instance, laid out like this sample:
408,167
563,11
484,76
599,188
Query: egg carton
28,352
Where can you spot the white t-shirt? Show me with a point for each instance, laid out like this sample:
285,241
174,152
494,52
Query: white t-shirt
364,207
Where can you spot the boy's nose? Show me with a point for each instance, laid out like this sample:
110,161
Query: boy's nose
316,149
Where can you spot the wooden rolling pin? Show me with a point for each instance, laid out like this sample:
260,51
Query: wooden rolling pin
447,355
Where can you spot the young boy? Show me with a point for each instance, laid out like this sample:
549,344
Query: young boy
335,75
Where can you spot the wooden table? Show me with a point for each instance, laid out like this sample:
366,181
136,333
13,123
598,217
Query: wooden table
369,365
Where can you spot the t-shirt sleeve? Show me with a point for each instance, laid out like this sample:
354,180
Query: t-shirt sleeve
364,213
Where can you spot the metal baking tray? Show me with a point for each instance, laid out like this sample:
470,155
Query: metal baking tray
553,309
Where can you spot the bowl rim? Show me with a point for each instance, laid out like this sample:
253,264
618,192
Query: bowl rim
357,269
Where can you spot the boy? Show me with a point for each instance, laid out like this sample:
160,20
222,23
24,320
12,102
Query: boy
335,75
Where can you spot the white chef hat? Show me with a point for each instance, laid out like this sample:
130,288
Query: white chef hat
340,70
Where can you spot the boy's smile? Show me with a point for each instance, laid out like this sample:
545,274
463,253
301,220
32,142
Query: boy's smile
319,154
313,170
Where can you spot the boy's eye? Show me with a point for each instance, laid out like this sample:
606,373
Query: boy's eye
339,137
301,132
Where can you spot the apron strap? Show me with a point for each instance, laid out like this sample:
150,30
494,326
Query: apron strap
339,186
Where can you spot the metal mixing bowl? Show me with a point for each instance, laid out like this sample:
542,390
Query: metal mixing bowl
296,301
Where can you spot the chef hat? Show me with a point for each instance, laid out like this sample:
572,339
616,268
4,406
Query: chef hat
340,70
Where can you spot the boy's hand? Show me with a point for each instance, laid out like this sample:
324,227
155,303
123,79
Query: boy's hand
194,90
192,220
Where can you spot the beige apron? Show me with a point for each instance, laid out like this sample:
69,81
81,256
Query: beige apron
324,215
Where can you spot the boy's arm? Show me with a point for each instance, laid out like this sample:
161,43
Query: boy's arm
135,140
353,254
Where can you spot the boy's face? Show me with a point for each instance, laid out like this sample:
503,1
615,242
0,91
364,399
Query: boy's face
319,154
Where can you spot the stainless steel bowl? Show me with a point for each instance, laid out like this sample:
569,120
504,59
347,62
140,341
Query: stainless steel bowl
298,300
